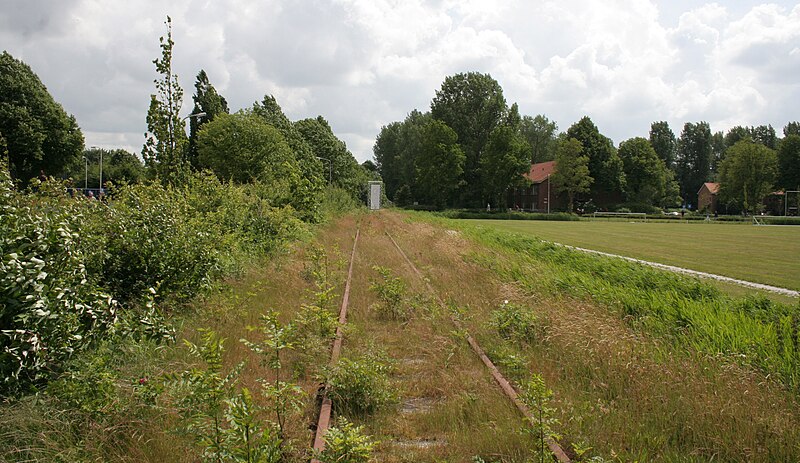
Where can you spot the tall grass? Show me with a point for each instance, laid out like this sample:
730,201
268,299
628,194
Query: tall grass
755,330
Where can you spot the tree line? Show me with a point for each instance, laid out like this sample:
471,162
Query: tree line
471,147
255,144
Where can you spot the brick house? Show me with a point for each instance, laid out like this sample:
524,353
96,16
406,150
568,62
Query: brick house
707,197
536,196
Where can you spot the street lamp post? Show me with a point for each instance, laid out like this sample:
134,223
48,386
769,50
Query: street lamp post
85,173
200,114
330,169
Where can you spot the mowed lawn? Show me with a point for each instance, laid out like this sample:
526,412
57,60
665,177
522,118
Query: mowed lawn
763,254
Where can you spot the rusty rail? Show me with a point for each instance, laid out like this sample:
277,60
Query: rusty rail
325,410
504,384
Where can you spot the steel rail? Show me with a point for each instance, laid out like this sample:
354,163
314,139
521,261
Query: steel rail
325,410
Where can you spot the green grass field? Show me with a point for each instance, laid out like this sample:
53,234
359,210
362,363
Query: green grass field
767,254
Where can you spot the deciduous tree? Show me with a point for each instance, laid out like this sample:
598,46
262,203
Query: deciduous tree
343,170
789,163
242,147
572,170
540,133
165,140
440,164
505,158
472,104
662,139
118,166
605,165
792,128
645,173
39,134
747,174
694,159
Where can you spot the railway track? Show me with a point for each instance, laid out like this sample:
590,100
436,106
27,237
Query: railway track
507,388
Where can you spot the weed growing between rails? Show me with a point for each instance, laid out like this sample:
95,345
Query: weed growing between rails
346,443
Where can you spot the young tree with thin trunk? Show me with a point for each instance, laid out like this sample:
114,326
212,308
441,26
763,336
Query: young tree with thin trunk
165,140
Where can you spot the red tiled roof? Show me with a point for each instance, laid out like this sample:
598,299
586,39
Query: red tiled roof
539,172
712,187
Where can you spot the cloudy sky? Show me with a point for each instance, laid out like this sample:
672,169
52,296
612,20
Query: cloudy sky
365,63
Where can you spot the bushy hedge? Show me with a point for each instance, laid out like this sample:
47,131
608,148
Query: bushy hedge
557,216
76,270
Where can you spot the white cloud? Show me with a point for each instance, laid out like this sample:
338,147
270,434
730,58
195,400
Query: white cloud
365,63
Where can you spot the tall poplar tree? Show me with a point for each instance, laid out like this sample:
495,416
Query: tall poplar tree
662,139
210,104
694,159
165,140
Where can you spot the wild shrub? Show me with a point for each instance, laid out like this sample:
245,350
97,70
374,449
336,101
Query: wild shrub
516,322
337,202
284,397
224,423
202,393
318,271
248,440
509,361
152,239
50,308
361,385
391,291
346,443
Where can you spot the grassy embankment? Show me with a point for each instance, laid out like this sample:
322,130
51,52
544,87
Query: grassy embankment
760,254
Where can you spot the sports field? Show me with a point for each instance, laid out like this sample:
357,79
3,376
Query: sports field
762,254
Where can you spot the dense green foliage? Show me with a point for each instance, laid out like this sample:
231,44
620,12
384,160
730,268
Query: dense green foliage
342,168
540,133
605,166
789,163
440,165
68,263
38,133
694,159
209,103
346,443
572,172
648,179
747,174
503,161
472,104
49,306
662,139
243,148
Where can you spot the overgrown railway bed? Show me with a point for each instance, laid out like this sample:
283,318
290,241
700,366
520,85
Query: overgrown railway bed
618,390
504,384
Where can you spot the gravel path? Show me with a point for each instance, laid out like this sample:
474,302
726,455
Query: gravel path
672,268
